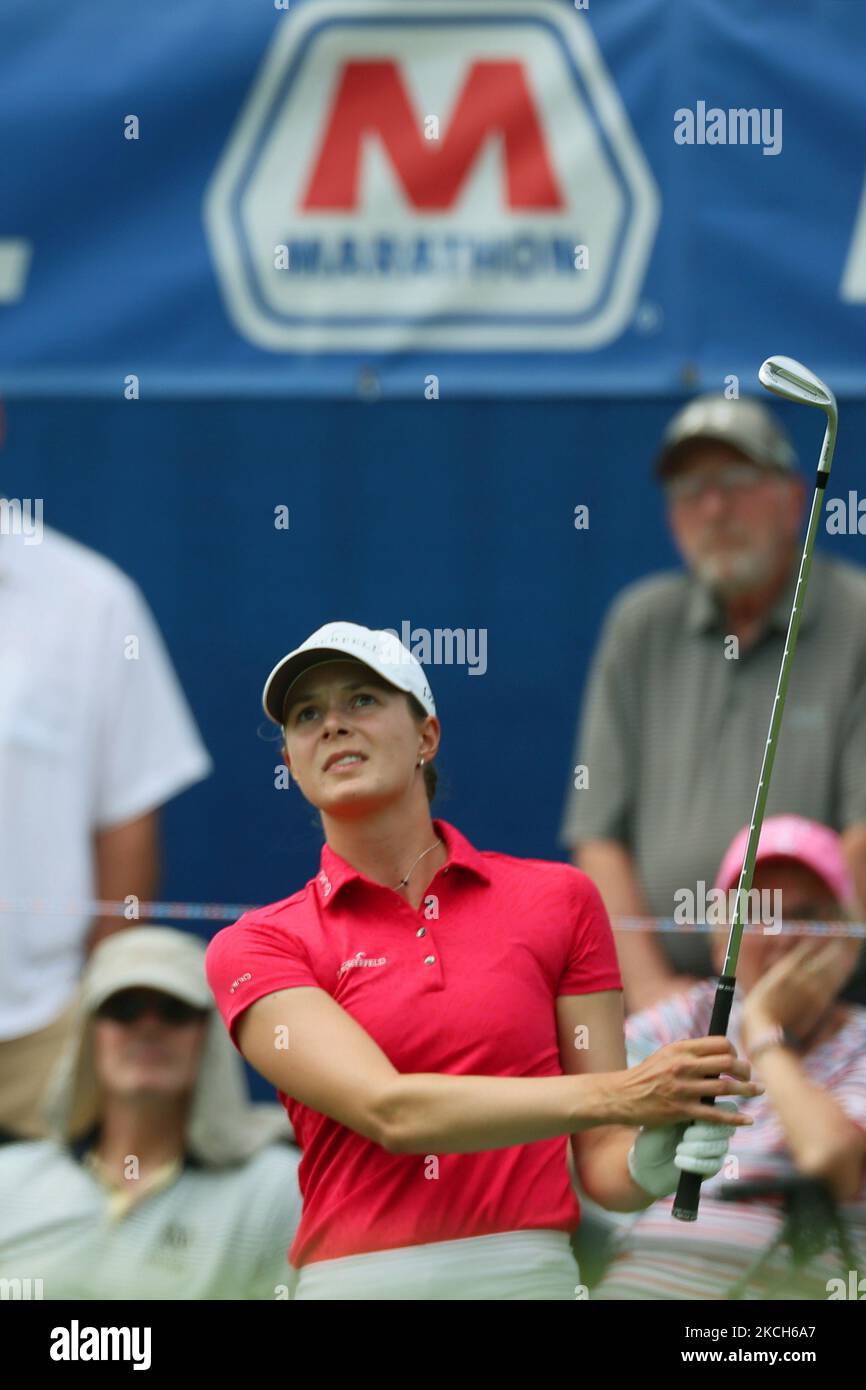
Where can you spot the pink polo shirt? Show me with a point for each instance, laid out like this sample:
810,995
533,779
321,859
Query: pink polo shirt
466,985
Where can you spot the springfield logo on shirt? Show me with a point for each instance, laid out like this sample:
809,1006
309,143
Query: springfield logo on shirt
76,1343
360,958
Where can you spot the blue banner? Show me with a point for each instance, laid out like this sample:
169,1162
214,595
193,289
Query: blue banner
440,197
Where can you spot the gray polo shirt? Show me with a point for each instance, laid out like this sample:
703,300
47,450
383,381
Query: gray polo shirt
672,732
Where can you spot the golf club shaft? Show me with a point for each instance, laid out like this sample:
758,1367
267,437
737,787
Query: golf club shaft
689,1187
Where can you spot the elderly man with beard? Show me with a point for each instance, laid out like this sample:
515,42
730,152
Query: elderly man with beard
679,696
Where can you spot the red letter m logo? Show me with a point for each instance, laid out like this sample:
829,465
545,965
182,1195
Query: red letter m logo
372,100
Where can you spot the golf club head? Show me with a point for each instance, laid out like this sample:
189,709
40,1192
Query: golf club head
788,378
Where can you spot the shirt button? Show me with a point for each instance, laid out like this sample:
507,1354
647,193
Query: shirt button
429,960
422,931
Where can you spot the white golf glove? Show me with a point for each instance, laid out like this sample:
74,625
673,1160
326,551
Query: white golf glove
658,1156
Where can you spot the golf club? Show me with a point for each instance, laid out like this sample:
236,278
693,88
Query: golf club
794,382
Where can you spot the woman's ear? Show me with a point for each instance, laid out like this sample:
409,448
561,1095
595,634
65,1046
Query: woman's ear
433,730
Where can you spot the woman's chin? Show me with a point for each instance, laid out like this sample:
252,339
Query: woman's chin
351,801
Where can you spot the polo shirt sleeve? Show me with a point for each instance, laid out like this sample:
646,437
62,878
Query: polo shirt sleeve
147,746
246,961
606,744
591,964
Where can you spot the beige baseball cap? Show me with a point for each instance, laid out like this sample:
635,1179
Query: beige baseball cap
377,648
152,957
746,424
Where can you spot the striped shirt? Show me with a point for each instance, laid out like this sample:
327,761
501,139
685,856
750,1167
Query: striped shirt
658,1257
211,1233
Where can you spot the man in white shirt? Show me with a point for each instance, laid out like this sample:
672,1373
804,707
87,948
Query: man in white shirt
95,735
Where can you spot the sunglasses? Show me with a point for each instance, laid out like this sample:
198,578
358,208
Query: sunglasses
129,1005
737,478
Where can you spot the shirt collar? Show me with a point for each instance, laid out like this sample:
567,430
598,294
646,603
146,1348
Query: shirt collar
335,872
704,611
83,1148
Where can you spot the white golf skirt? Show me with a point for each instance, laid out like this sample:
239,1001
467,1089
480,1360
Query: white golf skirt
508,1265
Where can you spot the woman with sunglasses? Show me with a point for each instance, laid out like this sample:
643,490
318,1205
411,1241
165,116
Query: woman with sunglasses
438,1020
158,1179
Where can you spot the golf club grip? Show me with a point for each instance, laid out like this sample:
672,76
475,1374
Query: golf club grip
688,1194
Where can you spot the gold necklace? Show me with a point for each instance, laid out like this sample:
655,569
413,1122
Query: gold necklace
404,881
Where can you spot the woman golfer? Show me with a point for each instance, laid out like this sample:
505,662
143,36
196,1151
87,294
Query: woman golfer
440,1021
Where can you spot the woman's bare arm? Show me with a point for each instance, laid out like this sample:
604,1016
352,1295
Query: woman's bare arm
825,1144
310,1048
591,1039
332,1065
796,992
